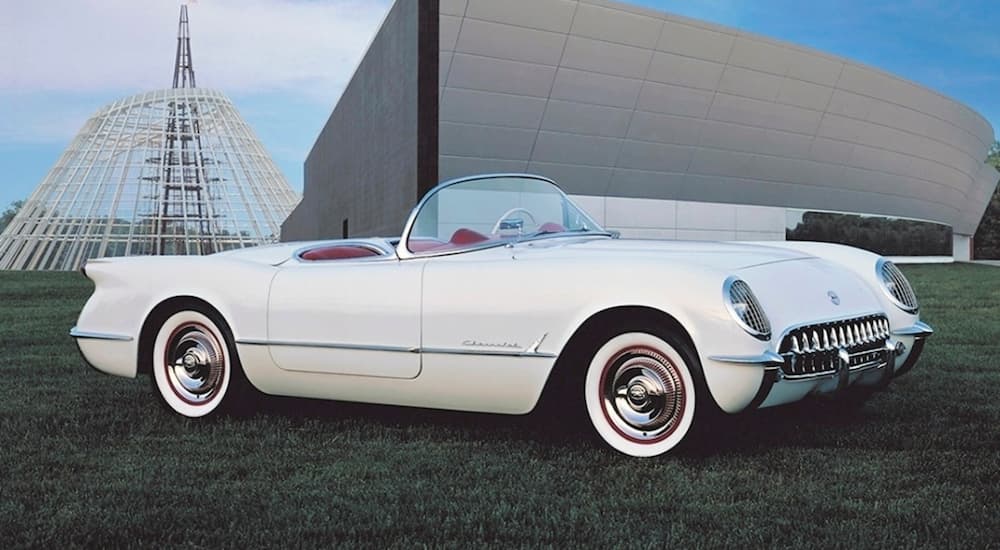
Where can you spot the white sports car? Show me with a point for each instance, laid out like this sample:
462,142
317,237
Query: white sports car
500,289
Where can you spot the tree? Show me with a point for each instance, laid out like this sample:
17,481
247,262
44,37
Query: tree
8,215
987,240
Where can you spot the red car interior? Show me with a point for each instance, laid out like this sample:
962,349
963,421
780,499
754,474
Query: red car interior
339,252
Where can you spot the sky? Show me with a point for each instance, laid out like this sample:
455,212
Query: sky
285,63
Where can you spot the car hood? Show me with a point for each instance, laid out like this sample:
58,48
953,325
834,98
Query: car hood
788,282
726,256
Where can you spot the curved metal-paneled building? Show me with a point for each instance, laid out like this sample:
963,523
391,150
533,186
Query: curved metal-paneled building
663,125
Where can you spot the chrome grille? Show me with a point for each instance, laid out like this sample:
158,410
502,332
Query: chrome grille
898,286
748,308
815,349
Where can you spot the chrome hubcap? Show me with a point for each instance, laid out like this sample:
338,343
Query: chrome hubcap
643,395
194,364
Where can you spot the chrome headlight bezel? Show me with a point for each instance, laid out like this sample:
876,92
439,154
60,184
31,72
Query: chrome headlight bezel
746,309
890,279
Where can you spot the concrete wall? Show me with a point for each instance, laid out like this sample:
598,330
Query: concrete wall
367,163
615,100
683,220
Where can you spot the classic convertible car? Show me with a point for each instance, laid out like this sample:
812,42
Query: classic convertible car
499,290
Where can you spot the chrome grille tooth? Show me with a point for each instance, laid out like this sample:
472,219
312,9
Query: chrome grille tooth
843,339
826,340
850,336
795,346
805,344
815,341
871,331
857,334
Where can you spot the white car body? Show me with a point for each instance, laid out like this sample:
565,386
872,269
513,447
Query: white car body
482,329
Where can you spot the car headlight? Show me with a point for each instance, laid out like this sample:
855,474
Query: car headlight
896,287
745,308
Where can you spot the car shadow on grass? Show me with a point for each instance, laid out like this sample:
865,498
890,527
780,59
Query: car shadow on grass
807,424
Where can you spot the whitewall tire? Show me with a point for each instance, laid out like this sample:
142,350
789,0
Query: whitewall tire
193,369
640,394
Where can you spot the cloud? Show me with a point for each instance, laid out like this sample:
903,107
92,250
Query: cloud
44,117
306,47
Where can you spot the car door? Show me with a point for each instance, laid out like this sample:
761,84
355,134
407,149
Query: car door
482,303
357,317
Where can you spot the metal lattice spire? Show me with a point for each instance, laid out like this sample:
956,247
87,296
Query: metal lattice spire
183,63
175,171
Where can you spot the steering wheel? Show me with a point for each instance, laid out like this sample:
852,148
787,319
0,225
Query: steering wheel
509,213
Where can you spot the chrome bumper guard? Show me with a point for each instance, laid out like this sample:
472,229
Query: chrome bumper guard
920,332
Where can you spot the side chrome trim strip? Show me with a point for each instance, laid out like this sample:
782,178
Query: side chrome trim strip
87,335
512,353
353,347
918,330
397,349
766,359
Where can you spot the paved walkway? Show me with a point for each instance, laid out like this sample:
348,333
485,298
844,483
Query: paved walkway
994,263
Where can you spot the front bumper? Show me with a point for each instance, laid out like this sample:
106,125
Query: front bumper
899,355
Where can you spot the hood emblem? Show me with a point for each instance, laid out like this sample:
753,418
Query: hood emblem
834,298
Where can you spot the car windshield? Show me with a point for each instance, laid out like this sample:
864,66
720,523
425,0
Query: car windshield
494,210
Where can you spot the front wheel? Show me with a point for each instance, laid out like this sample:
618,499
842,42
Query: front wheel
195,372
640,393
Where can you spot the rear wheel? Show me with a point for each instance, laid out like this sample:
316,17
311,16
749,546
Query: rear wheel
196,372
640,392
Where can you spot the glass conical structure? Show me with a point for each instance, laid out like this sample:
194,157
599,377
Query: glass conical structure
174,171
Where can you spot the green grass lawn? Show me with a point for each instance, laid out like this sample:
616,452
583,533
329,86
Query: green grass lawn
92,460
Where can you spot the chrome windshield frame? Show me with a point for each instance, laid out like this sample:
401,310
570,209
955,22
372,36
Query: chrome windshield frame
404,253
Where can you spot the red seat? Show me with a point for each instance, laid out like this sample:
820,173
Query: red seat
550,227
339,252
464,237
424,244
